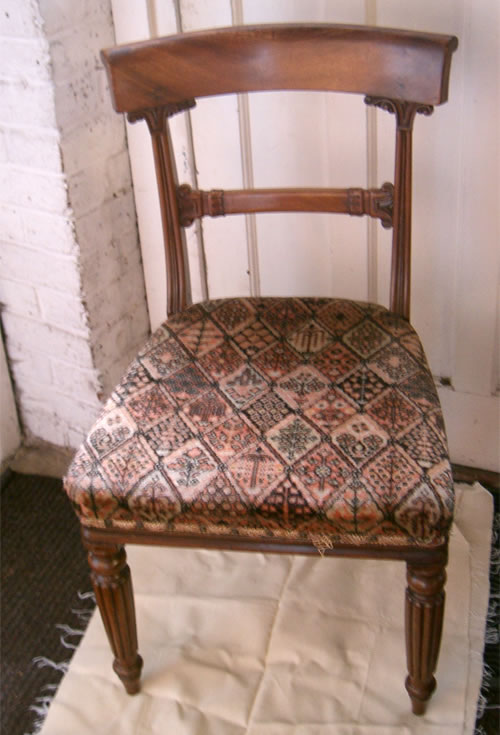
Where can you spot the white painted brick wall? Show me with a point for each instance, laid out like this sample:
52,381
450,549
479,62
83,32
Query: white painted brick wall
97,166
71,285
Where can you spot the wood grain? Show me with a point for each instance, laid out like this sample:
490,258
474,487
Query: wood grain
404,65
218,203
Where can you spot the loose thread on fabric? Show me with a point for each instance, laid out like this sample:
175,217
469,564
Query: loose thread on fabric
321,542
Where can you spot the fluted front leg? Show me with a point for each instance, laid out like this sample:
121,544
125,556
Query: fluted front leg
424,623
112,584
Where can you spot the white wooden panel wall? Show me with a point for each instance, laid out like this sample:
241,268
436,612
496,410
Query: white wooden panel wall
321,140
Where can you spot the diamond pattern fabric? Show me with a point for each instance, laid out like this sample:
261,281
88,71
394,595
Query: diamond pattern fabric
299,419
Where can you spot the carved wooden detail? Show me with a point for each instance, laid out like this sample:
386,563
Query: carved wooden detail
424,621
376,203
110,575
194,204
155,116
405,111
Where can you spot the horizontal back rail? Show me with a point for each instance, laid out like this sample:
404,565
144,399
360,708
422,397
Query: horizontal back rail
194,204
403,65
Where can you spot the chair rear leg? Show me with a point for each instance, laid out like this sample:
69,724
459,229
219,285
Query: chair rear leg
424,622
112,584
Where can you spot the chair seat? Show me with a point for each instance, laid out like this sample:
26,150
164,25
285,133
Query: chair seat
298,419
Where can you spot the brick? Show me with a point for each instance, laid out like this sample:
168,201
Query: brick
121,298
27,105
118,172
20,19
45,425
78,50
43,338
35,148
3,146
48,231
28,188
19,298
81,98
43,264
132,261
62,309
92,140
41,269
74,413
96,184
12,224
140,326
27,363
83,384
48,425
110,348
111,220
25,61
100,268
59,15
110,262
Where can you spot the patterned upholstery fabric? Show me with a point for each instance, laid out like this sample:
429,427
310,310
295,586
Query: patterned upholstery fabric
305,419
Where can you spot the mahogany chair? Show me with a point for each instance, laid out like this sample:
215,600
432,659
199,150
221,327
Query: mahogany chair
275,424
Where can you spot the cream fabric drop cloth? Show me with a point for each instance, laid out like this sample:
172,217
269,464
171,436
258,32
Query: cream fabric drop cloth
253,644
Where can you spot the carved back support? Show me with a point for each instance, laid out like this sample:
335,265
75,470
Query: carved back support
401,71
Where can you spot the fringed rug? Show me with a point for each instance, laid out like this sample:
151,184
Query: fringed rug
488,711
250,644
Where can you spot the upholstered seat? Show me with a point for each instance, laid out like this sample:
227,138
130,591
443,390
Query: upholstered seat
300,418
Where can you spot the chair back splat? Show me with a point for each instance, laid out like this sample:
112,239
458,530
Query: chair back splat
291,425
400,71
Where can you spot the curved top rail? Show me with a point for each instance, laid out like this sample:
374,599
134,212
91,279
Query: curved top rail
382,62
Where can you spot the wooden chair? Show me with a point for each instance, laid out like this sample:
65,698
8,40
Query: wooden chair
275,425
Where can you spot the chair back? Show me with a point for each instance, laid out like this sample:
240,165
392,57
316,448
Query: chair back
403,72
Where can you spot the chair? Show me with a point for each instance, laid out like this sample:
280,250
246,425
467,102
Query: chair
275,424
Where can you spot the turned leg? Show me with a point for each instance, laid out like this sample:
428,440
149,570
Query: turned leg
424,622
112,584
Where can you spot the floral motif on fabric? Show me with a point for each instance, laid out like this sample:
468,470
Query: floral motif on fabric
366,338
275,418
292,438
303,386
233,315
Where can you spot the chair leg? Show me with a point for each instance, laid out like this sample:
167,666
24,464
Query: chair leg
424,623
112,584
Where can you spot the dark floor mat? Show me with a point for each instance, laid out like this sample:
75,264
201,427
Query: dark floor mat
43,567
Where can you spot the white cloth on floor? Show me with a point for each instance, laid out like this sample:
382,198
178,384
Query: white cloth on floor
252,644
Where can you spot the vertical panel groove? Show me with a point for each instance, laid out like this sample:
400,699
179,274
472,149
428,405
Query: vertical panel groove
247,170
496,347
152,23
202,259
371,179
